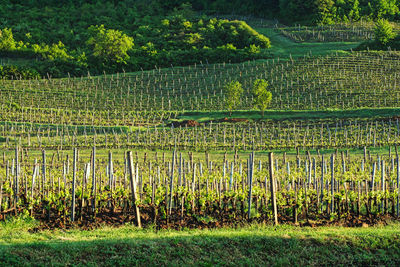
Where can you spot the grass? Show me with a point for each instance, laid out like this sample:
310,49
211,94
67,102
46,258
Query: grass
284,47
250,245
204,116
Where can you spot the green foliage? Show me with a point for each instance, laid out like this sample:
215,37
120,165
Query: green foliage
7,41
233,93
52,52
109,45
298,10
388,9
262,97
347,10
18,72
179,33
324,13
384,37
330,11
165,34
383,32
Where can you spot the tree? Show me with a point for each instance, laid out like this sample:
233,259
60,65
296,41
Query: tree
262,97
298,10
7,41
324,11
383,31
233,92
109,45
383,9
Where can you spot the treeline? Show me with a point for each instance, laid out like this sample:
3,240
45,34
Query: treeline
76,37
289,11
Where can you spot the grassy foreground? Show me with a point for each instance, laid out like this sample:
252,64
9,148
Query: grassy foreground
251,245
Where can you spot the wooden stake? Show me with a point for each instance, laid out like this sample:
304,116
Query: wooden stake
273,189
133,189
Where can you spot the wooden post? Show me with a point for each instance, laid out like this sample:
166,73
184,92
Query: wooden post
43,171
322,182
133,189
398,182
231,176
16,188
251,172
73,185
171,185
332,181
33,178
382,181
373,176
110,171
273,189
94,180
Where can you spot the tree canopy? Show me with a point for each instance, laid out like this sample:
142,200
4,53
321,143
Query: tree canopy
109,45
233,92
262,97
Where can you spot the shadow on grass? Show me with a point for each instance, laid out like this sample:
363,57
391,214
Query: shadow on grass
205,250
204,116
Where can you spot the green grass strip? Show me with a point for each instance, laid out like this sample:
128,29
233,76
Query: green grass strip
254,245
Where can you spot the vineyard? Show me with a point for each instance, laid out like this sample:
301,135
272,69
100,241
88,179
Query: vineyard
338,81
192,190
200,133
65,143
222,135
333,125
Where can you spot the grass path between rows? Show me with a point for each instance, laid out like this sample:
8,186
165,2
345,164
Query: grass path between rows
253,245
